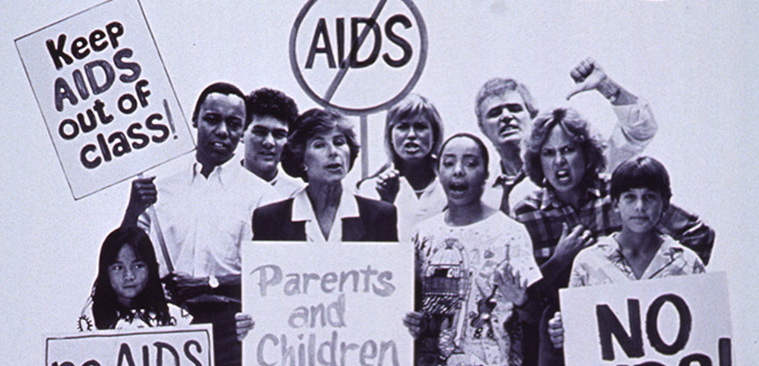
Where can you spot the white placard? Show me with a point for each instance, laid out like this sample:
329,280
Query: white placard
339,304
192,345
671,321
106,98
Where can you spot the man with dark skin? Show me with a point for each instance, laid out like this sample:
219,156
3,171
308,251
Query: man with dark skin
202,215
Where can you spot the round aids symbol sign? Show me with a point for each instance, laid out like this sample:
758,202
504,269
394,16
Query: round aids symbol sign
358,57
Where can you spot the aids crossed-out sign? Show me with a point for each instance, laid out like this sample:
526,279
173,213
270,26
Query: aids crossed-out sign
358,57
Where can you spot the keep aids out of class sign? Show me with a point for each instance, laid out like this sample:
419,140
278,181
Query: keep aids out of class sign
105,96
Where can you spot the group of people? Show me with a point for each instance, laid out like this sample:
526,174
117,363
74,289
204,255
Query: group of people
492,249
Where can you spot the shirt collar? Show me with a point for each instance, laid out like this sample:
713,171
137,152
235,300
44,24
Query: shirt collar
224,172
549,197
304,211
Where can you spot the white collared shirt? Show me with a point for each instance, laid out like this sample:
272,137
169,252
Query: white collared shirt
204,220
303,210
412,209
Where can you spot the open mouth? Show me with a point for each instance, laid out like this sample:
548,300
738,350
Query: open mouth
220,146
411,148
334,167
458,188
563,176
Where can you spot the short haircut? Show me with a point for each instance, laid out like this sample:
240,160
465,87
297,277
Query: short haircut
483,149
409,107
641,172
269,102
307,125
499,87
105,305
578,129
221,88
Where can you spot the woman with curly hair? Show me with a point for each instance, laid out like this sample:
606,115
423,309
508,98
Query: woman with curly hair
574,206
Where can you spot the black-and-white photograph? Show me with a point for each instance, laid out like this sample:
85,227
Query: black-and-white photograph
396,182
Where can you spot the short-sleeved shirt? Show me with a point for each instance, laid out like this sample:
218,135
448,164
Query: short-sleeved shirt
604,263
457,266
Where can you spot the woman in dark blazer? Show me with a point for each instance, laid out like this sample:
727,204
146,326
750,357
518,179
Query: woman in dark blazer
321,149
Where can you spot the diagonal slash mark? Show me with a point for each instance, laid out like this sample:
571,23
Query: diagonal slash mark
343,70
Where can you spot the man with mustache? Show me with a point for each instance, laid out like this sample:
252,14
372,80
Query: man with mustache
270,112
203,215
505,109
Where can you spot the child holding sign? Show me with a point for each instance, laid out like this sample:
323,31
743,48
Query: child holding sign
127,293
640,191
474,264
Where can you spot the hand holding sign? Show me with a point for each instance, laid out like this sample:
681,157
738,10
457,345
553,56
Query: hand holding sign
556,330
142,195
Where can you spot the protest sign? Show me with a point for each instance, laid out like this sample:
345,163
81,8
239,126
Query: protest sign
343,309
191,345
106,98
337,47
670,321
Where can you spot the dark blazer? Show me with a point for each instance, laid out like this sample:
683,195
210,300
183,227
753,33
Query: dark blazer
377,221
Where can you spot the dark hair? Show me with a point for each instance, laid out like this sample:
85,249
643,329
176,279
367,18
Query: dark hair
105,306
477,141
578,129
641,172
269,102
499,87
307,125
221,88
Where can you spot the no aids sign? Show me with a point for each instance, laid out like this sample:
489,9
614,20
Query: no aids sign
358,56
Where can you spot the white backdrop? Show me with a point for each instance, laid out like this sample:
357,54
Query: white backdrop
692,60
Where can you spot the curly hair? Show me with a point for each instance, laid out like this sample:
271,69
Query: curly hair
499,87
105,305
270,102
578,129
310,123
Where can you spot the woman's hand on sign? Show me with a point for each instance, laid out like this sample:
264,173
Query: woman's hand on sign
416,323
556,331
142,195
243,323
388,185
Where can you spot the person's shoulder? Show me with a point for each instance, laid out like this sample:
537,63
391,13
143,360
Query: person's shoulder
274,208
369,205
530,203
673,249
602,248
180,316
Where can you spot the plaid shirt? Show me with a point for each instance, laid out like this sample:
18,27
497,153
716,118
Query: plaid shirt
543,213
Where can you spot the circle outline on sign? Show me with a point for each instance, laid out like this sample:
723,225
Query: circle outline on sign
359,111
